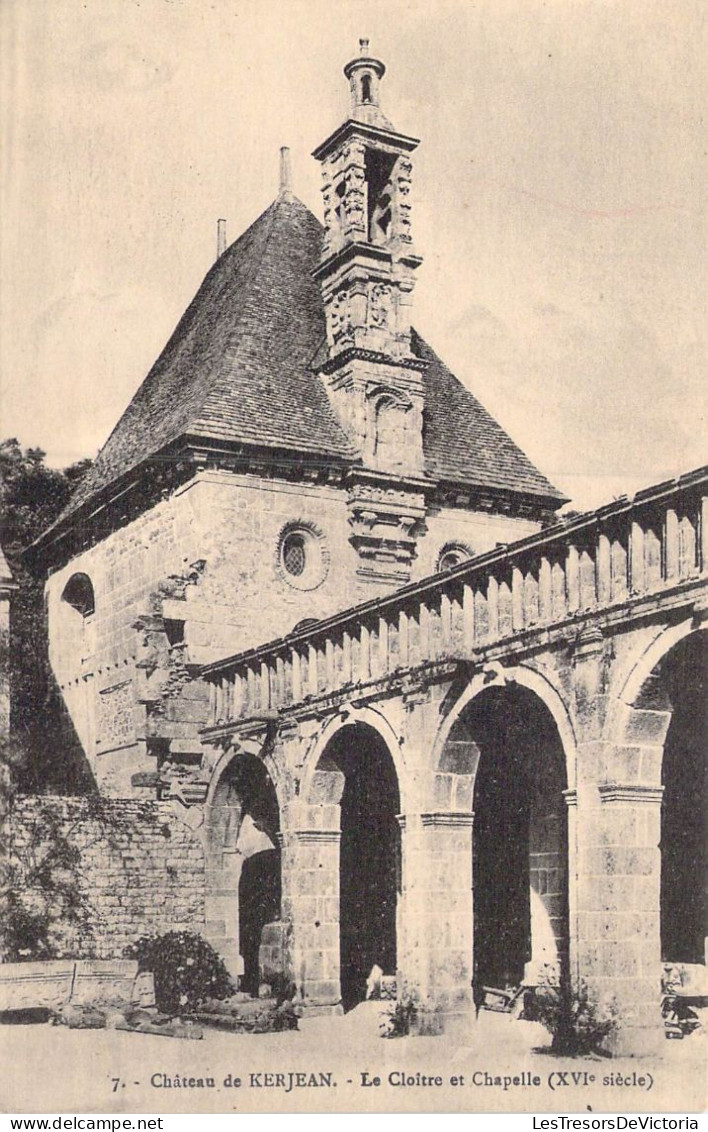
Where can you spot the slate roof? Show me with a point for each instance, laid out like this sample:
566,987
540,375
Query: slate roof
239,368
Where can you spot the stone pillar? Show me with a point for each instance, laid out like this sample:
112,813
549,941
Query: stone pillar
435,943
571,802
310,903
618,946
222,908
614,850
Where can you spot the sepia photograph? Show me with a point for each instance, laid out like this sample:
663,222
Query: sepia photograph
353,557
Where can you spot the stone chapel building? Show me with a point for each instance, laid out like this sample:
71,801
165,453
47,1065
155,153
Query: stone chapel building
297,447
307,608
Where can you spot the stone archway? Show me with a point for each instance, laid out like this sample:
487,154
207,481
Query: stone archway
369,857
343,865
645,840
683,903
244,865
663,708
506,740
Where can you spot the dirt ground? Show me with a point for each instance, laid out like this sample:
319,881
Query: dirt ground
332,1064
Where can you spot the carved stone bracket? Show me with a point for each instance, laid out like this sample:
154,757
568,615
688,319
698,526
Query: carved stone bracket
386,523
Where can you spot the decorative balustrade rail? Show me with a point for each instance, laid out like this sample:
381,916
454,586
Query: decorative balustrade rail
616,558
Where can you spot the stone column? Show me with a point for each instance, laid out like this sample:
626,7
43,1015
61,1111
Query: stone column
222,908
435,947
618,946
571,802
616,952
310,903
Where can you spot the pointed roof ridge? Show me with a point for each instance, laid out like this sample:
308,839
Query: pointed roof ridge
239,369
185,321
176,396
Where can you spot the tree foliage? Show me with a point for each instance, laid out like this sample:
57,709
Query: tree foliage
31,498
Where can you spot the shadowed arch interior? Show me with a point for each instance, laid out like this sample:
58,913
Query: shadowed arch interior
369,869
683,677
508,739
244,828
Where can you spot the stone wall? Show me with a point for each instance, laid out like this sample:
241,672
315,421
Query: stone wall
479,531
141,869
206,560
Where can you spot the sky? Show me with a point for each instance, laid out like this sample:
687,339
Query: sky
558,202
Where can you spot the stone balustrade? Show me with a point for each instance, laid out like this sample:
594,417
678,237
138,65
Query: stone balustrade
609,563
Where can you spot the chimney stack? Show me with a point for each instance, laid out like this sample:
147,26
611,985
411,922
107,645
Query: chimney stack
220,237
286,173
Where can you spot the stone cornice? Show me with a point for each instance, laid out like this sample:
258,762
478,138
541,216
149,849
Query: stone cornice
358,353
352,128
314,836
457,819
632,792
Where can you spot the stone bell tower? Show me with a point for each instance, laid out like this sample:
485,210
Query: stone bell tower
367,274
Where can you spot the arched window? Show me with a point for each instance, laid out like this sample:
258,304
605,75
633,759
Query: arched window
78,593
75,629
366,88
452,554
390,417
302,558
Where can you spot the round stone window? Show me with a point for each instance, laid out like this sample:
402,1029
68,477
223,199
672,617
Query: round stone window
294,554
302,559
452,554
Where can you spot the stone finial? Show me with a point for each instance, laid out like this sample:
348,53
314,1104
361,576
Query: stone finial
364,74
285,188
220,237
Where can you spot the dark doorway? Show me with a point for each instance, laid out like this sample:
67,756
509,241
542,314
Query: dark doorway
520,842
245,823
684,811
259,904
370,850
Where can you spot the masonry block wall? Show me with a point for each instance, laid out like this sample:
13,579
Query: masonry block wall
230,525
141,869
478,531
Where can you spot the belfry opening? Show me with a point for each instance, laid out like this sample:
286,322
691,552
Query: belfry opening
369,857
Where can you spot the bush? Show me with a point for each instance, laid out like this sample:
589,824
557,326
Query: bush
400,1020
186,968
577,1024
